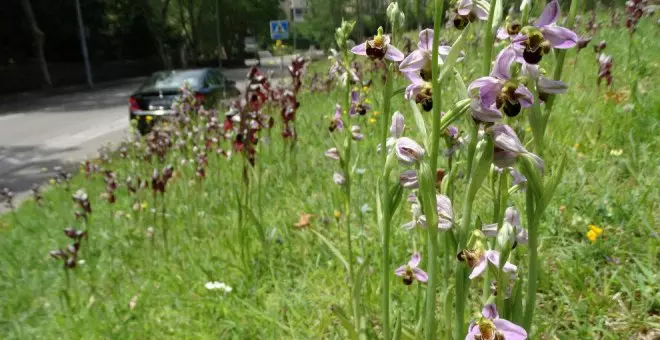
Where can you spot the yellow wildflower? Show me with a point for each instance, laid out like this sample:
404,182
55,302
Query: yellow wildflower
528,129
337,214
148,119
144,205
594,232
577,145
376,113
365,88
372,120
595,229
366,100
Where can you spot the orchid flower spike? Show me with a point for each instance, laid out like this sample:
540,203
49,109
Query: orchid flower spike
490,326
378,48
410,271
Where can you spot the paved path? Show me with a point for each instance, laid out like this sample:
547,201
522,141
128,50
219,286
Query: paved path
68,125
44,131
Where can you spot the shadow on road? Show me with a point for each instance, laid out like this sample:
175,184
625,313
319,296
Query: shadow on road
21,166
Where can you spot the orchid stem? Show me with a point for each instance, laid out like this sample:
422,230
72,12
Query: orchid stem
488,43
386,201
462,285
530,298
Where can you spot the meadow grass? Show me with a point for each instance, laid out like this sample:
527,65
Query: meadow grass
287,282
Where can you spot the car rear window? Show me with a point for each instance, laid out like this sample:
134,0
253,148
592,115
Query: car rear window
173,79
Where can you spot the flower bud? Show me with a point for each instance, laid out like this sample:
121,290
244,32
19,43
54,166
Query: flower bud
338,178
332,153
408,179
408,151
396,129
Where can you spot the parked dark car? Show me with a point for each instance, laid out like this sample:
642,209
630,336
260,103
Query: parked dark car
153,100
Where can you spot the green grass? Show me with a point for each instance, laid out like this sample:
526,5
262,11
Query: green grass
286,287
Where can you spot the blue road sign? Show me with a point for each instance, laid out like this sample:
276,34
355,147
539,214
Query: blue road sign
279,29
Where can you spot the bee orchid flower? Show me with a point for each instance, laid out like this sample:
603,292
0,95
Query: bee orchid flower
378,48
537,40
410,271
491,326
498,91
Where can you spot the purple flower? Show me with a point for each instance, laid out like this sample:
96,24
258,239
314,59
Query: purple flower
508,148
419,60
332,153
337,123
338,178
408,151
358,105
512,217
536,41
479,260
490,326
499,91
420,90
409,272
378,48
396,129
468,11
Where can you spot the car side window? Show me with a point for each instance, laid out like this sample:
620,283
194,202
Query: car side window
212,79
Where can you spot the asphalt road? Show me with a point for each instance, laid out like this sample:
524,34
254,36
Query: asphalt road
39,131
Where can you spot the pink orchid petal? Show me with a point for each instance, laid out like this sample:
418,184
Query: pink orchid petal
560,37
550,14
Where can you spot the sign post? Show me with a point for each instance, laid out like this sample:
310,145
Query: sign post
279,30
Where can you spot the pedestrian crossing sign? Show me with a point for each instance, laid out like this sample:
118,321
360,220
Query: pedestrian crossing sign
279,29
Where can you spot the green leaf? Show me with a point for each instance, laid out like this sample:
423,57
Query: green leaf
450,61
332,248
397,327
462,89
398,91
396,195
421,125
345,321
550,188
497,16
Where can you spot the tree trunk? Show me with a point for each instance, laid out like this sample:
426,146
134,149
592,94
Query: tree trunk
39,38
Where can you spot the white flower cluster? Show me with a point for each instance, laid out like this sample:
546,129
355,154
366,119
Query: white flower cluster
218,285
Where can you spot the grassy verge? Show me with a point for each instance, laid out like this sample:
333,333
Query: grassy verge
130,285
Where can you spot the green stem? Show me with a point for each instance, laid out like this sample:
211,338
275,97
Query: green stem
429,199
532,279
462,284
488,39
386,219
347,201
387,96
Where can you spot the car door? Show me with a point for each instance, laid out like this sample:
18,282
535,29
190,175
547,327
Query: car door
215,88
